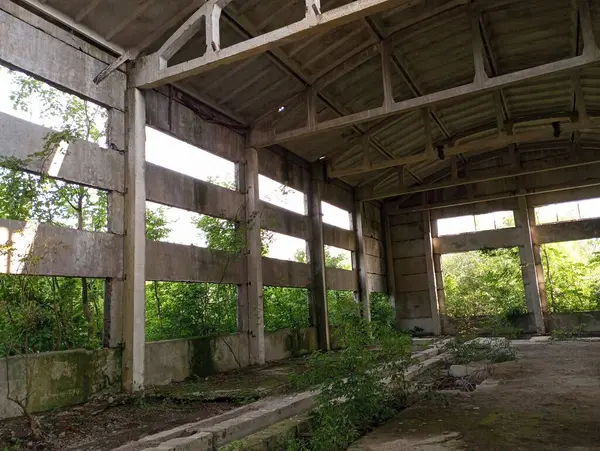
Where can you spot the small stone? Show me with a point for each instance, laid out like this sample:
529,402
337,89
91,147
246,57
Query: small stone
466,370
540,339
475,408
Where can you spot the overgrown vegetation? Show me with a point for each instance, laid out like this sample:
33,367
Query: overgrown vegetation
572,275
465,350
487,285
482,283
361,385
65,313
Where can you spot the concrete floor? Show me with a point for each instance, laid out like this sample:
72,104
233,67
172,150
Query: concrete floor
549,399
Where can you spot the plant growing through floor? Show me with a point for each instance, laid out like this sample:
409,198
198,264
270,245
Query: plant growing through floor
360,386
493,350
564,334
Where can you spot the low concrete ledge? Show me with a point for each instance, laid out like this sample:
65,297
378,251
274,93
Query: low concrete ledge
240,423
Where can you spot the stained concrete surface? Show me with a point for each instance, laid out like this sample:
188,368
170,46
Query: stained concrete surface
548,399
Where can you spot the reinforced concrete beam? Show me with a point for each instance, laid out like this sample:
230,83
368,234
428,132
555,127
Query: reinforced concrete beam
152,70
268,137
490,143
368,193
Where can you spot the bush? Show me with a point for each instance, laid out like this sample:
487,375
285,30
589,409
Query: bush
361,386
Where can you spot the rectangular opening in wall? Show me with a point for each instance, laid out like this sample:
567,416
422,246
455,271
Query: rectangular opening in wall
29,197
186,310
283,247
572,275
281,195
568,211
285,308
342,307
35,101
338,258
483,288
177,226
171,153
336,216
476,223
43,314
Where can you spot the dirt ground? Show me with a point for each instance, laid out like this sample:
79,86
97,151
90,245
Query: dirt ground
548,399
110,421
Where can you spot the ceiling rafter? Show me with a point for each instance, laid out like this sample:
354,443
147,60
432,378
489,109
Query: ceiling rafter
283,61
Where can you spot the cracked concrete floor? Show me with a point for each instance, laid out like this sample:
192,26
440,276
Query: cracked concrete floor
548,399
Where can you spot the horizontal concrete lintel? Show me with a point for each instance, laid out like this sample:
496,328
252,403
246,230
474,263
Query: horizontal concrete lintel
84,163
341,279
566,231
169,116
283,273
488,239
338,237
30,49
178,190
179,263
40,249
280,220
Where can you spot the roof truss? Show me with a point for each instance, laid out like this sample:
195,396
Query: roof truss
152,70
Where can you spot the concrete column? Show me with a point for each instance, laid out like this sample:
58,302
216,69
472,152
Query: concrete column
528,267
361,261
242,290
437,266
318,286
135,243
539,267
389,256
113,288
431,275
256,329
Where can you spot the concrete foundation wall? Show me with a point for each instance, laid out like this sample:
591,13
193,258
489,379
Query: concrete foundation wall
61,379
58,379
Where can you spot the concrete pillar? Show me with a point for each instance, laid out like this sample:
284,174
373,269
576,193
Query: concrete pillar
135,243
389,256
361,261
437,267
242,290
318,286
539,266
528,266
113,288
431,274
256,329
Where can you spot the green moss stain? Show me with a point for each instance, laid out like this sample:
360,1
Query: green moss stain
202,357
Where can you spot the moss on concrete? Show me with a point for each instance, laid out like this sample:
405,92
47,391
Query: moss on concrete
202,357
273,438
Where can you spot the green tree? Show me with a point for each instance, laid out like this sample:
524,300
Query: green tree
54,313
483,283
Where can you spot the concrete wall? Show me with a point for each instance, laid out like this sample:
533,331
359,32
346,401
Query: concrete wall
62,379
58,379
413,306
